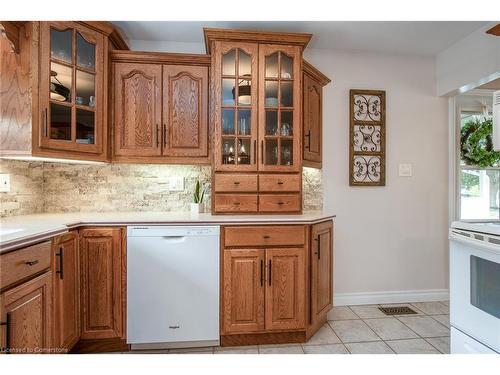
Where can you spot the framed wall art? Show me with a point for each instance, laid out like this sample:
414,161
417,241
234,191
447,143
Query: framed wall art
367,138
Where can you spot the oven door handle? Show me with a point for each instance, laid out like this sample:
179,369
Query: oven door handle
481,244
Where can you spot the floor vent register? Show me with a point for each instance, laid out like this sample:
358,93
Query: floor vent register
397,310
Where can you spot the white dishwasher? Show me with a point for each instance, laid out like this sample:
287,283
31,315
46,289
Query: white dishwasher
172,286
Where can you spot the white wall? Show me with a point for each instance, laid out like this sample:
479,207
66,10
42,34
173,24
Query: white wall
393,238
391,242
470,62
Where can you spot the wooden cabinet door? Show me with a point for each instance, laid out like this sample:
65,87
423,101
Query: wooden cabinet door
72,98
321,270
234,81
185,111
280,118
102,277
285,289
243,291
66,264
25,312
312,134
137,109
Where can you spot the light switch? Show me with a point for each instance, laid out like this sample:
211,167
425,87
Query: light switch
405,170
4,182
176,183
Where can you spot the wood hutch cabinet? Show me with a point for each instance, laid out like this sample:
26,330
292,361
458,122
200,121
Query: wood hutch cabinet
160,112
257,84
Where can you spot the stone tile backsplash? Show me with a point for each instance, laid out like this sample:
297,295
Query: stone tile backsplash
56,187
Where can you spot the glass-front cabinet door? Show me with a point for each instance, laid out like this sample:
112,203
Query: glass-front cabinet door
235,81
71,87
279,108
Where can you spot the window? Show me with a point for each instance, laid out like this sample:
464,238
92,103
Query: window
479,177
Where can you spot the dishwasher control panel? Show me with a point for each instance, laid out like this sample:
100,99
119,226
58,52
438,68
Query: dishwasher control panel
171,231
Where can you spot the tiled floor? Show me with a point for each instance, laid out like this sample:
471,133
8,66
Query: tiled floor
363,330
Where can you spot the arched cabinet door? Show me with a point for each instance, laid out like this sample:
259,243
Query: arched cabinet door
71,96
235,67
185,111
137,109
279,108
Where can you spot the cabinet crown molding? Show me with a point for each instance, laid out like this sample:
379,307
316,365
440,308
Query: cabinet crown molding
314,73
160,58
255,36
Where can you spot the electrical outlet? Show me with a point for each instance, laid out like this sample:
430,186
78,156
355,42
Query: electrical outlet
405,170
4,182
176,183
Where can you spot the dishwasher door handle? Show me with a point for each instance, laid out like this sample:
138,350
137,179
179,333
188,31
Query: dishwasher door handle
174,239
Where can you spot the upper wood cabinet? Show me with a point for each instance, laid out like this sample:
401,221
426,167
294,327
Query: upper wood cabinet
280,108
26,316
57,85
137,110
160,108
312,97
102,266
66,290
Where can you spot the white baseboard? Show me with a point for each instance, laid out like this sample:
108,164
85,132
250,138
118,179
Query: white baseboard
342,299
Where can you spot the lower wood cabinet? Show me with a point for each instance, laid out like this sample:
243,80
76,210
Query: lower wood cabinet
66,286
103,275
321,260
26,316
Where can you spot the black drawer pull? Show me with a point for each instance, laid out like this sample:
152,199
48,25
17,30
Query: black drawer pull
60,255
31,262
280,182
265,236
236,182
236,203
281,203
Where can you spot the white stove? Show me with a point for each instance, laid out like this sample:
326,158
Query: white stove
475,286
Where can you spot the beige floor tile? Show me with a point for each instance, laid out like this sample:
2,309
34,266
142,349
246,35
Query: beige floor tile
325,335
236,350
353,331
325,349
443,319
342,313
440,343
390,329
367,311
377,347
207,350
425,326
432,308
280,349
412,346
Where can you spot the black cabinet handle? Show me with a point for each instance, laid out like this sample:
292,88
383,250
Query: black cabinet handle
45,123
236,182
60,255
265,236
31,262
254,151
261,272
270,270
165,135
281,203
157,135
308,135
280,182
319,246
262,152
7,333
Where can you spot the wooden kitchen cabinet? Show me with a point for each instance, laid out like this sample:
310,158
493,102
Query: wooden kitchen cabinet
243,289
257,105
56,81
103,278
160,108
26,316
321,271
137,110
312,98
285,288
66,290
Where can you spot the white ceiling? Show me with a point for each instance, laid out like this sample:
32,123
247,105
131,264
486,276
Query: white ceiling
424,38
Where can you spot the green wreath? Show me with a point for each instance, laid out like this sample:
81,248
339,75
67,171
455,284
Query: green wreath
476,145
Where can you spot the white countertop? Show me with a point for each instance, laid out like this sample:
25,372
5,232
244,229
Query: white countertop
25,229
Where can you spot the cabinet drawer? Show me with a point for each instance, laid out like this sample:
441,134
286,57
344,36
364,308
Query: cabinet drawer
235,182
274,182
236,202
264,235
21,264
279,203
